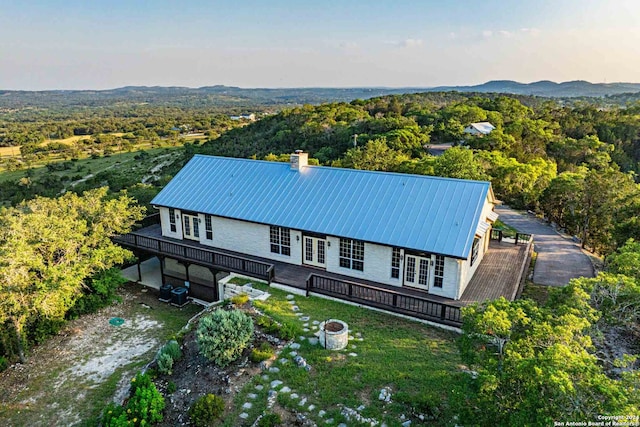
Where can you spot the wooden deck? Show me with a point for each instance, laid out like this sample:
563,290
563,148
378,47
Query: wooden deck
497,275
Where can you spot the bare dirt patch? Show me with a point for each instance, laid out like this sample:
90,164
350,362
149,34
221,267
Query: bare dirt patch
68,379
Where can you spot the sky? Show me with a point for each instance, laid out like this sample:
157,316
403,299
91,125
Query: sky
73,44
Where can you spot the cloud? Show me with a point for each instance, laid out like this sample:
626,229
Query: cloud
505,33
349,45
487,34
530,31
411,43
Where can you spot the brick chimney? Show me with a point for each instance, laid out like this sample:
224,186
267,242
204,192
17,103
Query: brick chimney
298,160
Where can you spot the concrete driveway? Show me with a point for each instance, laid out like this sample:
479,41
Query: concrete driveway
560,259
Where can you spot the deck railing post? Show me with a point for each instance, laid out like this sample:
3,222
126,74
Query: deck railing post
309,284
395,300
443,311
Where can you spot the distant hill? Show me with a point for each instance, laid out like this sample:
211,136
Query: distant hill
208,96
546,88
229,97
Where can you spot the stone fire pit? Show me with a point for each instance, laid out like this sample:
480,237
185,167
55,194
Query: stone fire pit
333,334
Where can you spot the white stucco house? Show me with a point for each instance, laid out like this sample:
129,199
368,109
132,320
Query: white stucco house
479,129
399,231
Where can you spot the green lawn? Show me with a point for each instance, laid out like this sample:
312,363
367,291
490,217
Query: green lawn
419,363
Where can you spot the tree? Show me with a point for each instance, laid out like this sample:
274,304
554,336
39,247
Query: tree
376,155
534,363
48,247
459,162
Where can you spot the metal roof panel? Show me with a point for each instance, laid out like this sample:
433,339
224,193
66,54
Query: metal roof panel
430,214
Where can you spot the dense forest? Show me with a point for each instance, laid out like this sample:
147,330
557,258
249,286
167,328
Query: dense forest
576,165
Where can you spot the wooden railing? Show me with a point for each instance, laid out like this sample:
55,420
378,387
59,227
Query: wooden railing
385,299
201,256
520,238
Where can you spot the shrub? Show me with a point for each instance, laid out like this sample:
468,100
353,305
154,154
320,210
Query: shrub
172,348
223,335
270,419
144,407
165,363
264,352
171,387
286,331
98,293
206,410
240,299
167,355
4,363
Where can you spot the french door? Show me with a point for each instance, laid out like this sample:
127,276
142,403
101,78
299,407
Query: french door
190,227
314,251
416,271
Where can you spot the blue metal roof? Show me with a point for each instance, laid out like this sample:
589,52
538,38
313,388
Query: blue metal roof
430,214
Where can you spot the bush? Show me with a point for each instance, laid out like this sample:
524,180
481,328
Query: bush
206,410
240,299
223,335
165,363
144,407
270,419
171,387
98,293
172,348
286,331
4,363
167,355
264,352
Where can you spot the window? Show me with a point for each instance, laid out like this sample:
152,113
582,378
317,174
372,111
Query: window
352,254
208,227
474,250
438,275
172,220
395,263
196,226
280,239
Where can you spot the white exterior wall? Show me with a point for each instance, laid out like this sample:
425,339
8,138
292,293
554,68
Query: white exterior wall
166,227
467,269
248,238
253,239
377,263
450,280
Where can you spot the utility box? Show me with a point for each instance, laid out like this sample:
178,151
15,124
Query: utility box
179,297
165,292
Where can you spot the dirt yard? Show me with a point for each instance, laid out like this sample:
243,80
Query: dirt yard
69,379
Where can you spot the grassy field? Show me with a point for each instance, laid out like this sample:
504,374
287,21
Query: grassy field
70,378
420,365
86,166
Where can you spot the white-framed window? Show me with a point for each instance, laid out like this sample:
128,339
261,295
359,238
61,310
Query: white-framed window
208,228
280,238
352,254
475,249
438,273
395,263
172,220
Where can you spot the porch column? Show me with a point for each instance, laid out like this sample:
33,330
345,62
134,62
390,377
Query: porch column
161,258
139,272
216,293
